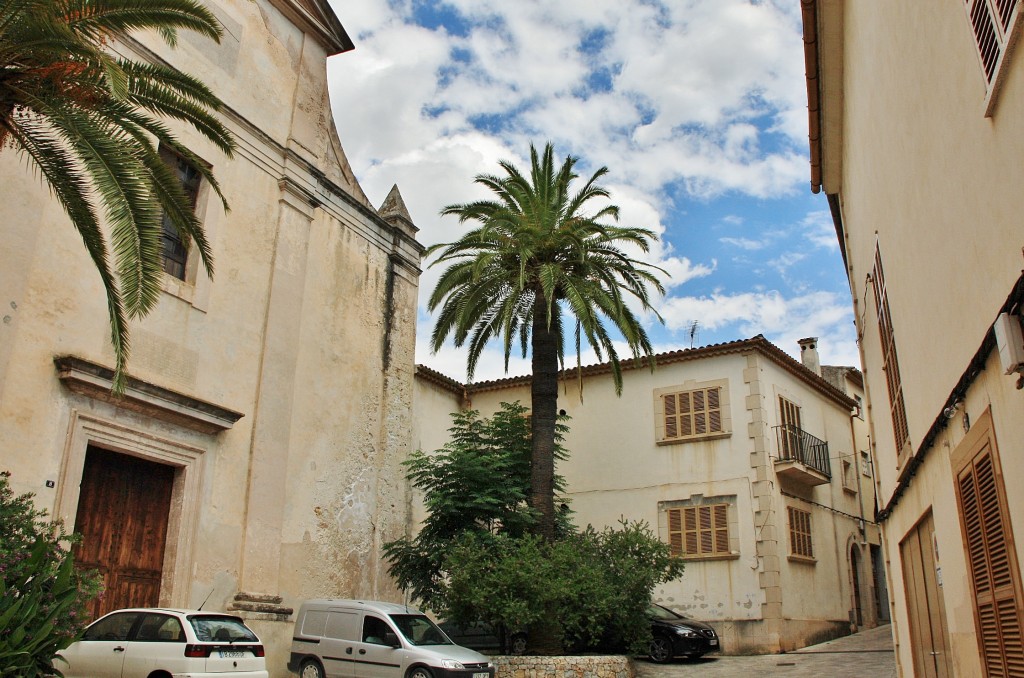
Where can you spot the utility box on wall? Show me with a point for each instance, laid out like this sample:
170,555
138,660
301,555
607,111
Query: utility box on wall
1010,341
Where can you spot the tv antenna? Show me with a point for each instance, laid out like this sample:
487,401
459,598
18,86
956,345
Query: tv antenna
693,331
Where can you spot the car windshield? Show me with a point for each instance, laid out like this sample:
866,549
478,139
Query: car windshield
221,629
419,630
659,612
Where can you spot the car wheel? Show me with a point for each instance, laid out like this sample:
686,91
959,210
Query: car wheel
660,649
420,672
518,644
311,669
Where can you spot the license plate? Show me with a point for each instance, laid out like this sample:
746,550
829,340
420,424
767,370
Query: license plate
714,643
225,654
482,675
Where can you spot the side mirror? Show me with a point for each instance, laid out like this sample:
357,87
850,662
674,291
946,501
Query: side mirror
390,638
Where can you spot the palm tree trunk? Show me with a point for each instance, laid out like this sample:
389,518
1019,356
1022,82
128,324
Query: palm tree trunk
544,406
545,636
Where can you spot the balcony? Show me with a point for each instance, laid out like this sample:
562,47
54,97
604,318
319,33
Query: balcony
803,459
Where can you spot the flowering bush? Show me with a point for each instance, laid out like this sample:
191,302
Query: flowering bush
44,598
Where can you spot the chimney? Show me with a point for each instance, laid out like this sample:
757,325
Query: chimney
809,354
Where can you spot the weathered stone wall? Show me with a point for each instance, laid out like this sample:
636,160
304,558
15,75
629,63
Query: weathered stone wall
598,666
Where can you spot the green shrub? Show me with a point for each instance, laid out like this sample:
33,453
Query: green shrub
475,558
589,589
43,606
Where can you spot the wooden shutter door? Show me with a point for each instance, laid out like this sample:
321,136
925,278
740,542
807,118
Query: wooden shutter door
926,608
992,563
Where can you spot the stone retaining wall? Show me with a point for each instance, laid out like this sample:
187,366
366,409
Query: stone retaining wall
598,666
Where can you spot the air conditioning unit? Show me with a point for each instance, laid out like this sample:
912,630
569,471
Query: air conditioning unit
1010,341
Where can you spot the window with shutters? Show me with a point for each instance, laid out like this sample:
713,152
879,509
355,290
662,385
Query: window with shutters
801,545
995,25
890,365
691,413
699,530
991,554
701,527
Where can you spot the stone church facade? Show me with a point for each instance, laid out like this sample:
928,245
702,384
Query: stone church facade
254,459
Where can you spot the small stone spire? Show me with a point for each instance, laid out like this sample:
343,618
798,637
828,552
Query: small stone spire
394,211
809,354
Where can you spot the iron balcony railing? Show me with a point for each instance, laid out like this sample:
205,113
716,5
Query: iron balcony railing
795,444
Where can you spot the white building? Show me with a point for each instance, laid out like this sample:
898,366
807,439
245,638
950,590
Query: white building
752,466
916,112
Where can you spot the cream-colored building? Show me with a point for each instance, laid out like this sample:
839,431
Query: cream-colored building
917,139
750,464
255,458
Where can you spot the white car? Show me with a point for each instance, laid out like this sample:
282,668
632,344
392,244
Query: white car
138,642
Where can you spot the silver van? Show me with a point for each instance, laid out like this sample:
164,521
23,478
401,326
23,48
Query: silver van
370,639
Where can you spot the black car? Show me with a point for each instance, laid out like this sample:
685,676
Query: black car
676,636
483,637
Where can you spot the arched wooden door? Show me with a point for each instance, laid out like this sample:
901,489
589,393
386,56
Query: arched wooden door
123,510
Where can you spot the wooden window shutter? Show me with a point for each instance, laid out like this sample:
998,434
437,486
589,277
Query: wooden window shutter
693,413
691,542
707,538
700,425
671,418
991,21
985,36
704,529
890,364
675,531
721,527
685,415
714,410
800,532
992,564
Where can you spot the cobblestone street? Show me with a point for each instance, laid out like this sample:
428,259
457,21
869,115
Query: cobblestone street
863,655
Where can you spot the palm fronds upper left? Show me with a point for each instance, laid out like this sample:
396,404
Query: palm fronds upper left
86,120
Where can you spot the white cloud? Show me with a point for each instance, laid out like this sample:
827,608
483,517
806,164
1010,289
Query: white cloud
688,100
782,320
744,243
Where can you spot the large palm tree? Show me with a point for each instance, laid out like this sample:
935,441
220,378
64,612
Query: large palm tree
535,258
90,124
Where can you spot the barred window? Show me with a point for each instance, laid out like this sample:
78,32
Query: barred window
699,530
800,542
175,250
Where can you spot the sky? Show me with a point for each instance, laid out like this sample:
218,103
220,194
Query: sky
697,108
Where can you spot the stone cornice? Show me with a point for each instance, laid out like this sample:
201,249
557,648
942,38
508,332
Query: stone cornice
95,381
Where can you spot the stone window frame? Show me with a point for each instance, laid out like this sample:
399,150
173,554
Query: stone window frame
725,412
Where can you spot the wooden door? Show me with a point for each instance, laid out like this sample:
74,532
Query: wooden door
122,516
925,605
858,611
